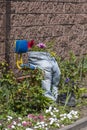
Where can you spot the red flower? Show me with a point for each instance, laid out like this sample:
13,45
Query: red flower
30,44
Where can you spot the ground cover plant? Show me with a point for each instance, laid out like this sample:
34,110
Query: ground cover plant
23,105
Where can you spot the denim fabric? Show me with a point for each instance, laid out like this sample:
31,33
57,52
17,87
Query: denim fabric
48,64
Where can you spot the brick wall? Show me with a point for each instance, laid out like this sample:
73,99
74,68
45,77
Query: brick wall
61,21
2,30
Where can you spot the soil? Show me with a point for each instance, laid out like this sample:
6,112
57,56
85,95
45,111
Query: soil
83,111
83,107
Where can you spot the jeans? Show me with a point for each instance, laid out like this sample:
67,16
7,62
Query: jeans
52,73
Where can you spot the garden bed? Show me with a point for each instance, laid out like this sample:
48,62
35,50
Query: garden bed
23,104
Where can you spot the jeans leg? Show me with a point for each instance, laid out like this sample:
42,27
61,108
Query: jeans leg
55,92
55,77
46,85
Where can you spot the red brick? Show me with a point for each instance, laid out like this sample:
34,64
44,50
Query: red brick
2,58
61,19
2,20
58,30
81,18
21,20
2,34
75,29
2,7
41,19
26,7
48,7
59,8
2,48
85,7
73,38
74,8
85,29
27,32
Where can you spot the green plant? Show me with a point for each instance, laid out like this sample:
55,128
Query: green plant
25,96
29,99
7,86
73,71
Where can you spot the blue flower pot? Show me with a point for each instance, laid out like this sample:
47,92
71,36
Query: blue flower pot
21,46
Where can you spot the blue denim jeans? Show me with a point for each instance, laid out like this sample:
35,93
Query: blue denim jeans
52,73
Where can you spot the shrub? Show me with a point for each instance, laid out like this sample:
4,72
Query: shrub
22,97
73,71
